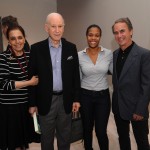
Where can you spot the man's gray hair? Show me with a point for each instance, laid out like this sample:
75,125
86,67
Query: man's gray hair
123,20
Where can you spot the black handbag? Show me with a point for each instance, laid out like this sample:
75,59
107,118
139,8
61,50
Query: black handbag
76,127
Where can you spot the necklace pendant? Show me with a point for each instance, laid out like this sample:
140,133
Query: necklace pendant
11,58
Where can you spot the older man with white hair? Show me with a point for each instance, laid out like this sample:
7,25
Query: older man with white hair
55,62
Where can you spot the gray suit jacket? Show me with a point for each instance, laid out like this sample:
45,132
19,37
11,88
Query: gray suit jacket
132,90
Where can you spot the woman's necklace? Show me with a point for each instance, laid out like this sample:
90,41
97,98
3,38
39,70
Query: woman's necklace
19,63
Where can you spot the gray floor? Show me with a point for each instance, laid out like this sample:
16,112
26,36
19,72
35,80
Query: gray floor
112,139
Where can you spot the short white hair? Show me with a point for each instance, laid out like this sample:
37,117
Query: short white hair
49,16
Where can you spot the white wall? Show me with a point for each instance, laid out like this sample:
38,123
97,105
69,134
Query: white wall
79,14
31,15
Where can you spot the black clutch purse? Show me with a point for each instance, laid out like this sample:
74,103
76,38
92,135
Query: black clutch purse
76,127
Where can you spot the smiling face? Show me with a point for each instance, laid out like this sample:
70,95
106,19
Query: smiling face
55,27
16,40
93,37
123,35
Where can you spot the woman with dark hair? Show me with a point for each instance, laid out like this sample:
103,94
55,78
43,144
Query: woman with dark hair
15,126
95,61
10,21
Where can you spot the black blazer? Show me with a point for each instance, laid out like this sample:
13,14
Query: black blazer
40,64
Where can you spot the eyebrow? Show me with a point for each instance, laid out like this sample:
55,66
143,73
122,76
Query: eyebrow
122,30
20,36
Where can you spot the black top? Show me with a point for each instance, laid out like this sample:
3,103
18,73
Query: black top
122,56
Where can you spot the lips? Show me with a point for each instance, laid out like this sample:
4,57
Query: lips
18,46
120,40
57,35
93,42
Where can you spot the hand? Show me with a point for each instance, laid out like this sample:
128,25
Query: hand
75,106
34,80
137,117
32,110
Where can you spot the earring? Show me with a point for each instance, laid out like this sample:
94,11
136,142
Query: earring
9,43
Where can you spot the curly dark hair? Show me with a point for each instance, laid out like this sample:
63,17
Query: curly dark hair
9,21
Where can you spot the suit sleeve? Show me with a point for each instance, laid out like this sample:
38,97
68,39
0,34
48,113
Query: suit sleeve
142,105
32,72
76,76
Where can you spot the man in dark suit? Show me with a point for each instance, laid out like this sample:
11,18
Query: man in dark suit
55,62
131,82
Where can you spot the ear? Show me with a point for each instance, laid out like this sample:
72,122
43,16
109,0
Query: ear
131,33
46,28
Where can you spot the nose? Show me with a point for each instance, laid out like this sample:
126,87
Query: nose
119,34
56,29
93,37
17,40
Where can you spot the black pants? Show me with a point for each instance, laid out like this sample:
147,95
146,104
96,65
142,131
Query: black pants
140,131
95,109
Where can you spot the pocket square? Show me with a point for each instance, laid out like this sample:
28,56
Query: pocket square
69,58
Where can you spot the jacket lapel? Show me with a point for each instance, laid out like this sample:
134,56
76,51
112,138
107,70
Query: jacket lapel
46,54
130,59
115,56
64,53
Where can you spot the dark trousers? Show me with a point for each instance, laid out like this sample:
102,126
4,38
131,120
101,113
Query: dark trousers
95,109
140,131
56,121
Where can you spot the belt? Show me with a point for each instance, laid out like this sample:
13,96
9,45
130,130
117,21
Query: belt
57,92
91,92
